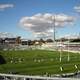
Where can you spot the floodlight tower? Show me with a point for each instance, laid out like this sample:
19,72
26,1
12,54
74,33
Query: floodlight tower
54,27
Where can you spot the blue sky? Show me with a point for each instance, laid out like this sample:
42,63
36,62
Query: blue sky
10,17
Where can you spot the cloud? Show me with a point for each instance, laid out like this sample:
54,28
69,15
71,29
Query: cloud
77,8
42,24
5,6
71,36
7,35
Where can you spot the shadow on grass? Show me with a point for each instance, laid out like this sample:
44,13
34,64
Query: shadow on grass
2,60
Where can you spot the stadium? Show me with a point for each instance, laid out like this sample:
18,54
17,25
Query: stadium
47,60
39,39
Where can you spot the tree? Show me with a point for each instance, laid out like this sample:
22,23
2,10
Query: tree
49,40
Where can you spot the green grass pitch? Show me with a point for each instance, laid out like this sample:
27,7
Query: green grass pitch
38,62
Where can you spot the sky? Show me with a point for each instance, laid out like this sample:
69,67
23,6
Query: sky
26,18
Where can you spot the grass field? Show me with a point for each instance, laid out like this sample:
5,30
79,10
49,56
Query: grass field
38,62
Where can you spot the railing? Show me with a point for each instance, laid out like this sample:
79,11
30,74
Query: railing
27,77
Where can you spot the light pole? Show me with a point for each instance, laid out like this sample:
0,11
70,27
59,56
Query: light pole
54,27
